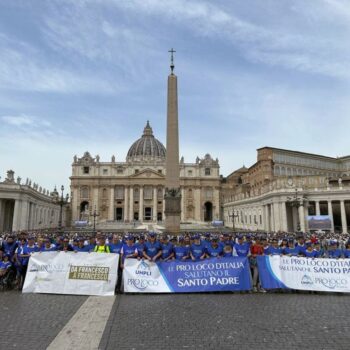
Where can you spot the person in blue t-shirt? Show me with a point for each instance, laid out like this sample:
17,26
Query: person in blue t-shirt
81,247
319,252
24,255
47,246
206,241
309,251
153,249
181,251
129,250
5,264
197,249
115,245
301,246
333,251
140,245
265,244
9,246
346,251
291,249
167,248
274,248
242,248
90,246
215,250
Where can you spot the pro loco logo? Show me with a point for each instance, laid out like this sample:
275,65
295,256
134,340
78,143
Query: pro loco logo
144,271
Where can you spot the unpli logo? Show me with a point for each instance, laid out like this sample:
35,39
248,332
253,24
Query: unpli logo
143,269
144,279
307,280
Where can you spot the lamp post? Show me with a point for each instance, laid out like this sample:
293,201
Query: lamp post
61,201
94,215
296,201
233,216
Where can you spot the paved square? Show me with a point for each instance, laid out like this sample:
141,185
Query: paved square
227,321
32,321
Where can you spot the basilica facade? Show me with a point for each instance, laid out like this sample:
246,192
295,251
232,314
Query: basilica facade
133,190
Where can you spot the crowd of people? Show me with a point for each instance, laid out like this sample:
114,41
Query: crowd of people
16,249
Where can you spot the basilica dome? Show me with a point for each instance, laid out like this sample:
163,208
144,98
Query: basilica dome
146,148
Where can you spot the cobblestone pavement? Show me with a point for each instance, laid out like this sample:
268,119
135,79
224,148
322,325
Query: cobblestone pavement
229,321
32,321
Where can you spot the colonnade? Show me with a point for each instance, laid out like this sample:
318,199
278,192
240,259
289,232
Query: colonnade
280,215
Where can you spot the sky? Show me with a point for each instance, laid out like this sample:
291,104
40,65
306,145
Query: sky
86,75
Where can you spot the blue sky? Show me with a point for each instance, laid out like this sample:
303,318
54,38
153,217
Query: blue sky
80,75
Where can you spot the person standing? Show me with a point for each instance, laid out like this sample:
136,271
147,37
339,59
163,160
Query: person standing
101,246
153,249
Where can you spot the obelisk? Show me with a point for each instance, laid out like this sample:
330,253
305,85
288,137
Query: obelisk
172,178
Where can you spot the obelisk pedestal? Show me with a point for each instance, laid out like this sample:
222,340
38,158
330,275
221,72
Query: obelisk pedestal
172,178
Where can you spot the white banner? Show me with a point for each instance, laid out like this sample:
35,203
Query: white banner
72,273
325,275
142,276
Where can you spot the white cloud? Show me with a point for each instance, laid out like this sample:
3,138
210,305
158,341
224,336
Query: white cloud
22,67
24,120
295,48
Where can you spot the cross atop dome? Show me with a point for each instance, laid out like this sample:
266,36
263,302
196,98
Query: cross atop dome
147,131
172,66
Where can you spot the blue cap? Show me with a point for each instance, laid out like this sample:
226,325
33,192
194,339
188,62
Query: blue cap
240,236
333,242
207,234
196,236
129,237
152,234
30,237
308,244
181,239
142,237
291,240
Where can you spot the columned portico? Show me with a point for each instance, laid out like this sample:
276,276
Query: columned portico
126,203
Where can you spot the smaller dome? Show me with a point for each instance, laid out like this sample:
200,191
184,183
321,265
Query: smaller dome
147,147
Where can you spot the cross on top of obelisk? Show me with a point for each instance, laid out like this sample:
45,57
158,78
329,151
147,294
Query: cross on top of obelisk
172,66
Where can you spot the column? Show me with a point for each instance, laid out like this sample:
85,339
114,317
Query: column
277,216
317,204
17,215
182,204
272,222
343,217
126,203
198,206
267,218
24,220
141,204
163,215
301,218
111,205
284,217
263,215
330,213
155,204
131,204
